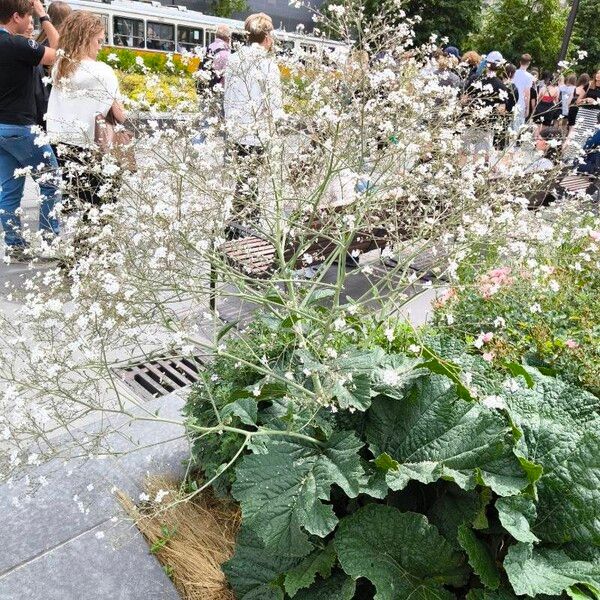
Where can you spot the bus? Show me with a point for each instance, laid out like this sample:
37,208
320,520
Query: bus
147,26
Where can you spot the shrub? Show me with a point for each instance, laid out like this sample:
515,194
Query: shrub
547,308
403,482
131,61
159,92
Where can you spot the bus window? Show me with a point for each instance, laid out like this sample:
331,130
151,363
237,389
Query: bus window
189,38
287,47
210,37
160,36
128,32
309,48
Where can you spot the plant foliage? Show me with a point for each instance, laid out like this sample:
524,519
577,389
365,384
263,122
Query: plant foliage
404,485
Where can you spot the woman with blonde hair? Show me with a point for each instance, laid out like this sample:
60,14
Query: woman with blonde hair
82,89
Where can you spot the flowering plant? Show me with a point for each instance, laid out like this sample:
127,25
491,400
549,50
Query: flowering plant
544,306
336,419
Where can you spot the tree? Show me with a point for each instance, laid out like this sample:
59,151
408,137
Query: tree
226,8
586,34
517,26
454,19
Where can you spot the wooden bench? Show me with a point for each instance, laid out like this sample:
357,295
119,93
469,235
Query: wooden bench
254,256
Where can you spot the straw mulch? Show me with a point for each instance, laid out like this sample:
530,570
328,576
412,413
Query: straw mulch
200,538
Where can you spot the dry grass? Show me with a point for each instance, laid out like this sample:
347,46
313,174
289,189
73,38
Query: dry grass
191,539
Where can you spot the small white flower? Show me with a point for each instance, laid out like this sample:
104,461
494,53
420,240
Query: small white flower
554,285
535,308
494,402
99,535
499,322
160,495
390,377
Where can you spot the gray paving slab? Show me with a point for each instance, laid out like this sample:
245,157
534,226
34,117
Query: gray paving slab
108,562
53,513
70,499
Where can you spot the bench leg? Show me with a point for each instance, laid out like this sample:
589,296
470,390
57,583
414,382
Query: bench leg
212,298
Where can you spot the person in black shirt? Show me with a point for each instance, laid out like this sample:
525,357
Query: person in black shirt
19,57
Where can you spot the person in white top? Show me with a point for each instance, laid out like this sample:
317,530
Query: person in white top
523,81
253,103
82,89
253,97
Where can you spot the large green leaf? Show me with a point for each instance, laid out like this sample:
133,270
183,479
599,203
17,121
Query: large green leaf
320,562
282,491
560,429
455,507
338,587
254,569
532,571
356,376
480,557
433,434
401,553
516,514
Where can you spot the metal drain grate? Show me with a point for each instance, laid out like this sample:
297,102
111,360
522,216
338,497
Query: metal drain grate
162,376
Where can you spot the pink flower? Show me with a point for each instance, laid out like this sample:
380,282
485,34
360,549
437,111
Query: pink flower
572,344
488,356
487,337
491,282
595,235
447,295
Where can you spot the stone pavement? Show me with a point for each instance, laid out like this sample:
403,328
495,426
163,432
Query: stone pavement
63,533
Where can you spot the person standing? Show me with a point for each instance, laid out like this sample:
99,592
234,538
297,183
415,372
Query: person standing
19,57
217,56
567,93
547,109
58,12
487,101
82,89
523,81
253,104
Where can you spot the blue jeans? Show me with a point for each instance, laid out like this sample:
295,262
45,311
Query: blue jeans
17,151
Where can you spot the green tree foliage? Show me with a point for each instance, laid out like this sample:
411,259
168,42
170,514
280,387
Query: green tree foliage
586,34
454,19
226,8
517,26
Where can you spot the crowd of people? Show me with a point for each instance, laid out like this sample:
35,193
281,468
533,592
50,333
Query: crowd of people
56,83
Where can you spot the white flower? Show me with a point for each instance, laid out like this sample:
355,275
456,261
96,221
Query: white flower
389,334
499,322
99,535
494,402
390,377
554,285
339,323
535,308
160,495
